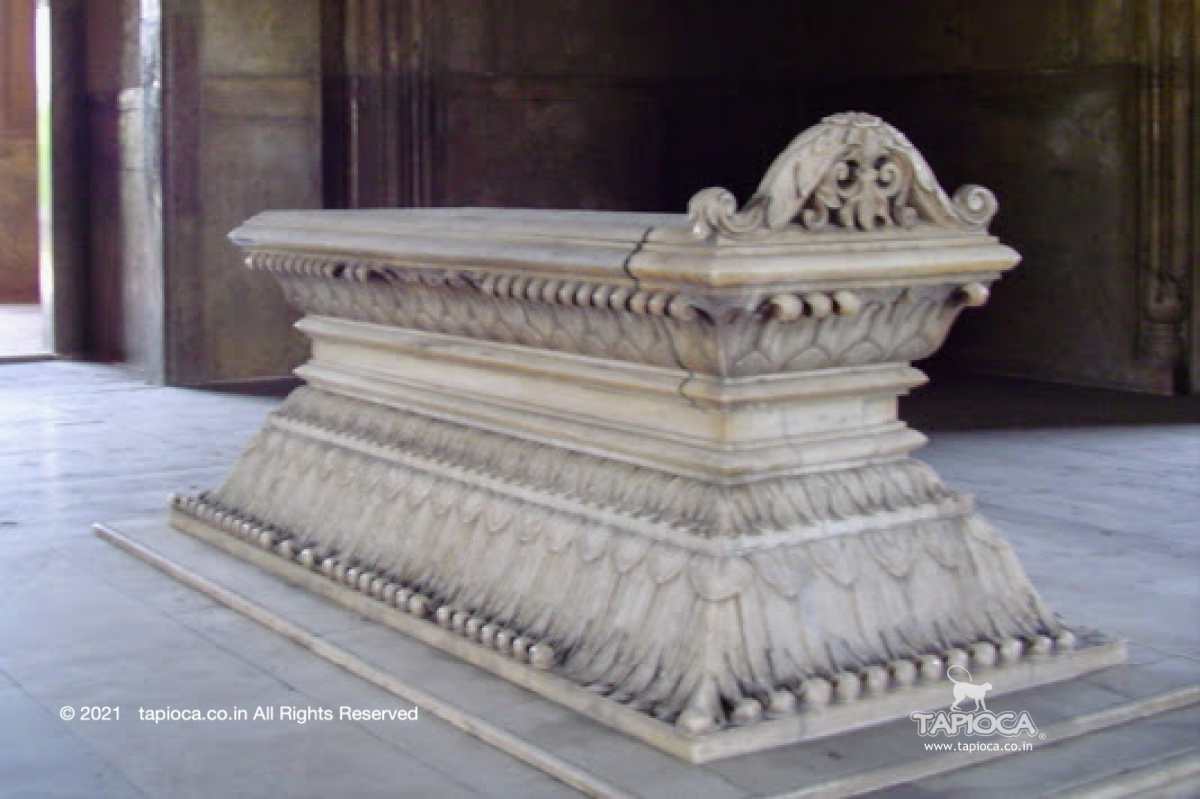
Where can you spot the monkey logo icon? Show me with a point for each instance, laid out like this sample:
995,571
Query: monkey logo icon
966,689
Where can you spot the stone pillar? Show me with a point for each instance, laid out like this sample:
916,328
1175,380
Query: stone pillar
651,465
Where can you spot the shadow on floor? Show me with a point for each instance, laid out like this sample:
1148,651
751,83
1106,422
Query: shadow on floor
269,387
963,402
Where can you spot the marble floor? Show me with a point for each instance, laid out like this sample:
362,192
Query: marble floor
1098,491
21,330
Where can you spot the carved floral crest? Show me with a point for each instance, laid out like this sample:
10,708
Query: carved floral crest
853,171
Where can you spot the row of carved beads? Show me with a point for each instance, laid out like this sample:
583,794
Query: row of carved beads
375,584
786,307
820,304
811,695
589,295
816,693
576,293
287,263
814,304
293,264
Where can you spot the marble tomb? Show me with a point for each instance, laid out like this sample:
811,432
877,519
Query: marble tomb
650,465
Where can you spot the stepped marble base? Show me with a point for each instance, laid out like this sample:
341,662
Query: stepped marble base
872,703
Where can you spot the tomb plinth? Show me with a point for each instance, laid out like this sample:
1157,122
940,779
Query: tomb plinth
650,465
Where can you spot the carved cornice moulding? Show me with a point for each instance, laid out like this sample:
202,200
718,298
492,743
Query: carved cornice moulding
781,332
650,464
815,296
850,202
667,262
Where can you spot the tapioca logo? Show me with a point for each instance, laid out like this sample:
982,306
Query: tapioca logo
978,721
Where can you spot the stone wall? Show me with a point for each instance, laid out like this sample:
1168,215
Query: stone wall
604,104
1078,115
18,154
201,114
241,133
1075,114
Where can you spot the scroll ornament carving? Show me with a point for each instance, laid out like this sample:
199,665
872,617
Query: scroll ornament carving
854,172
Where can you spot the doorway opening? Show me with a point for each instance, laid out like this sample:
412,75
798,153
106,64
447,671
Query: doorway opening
22,323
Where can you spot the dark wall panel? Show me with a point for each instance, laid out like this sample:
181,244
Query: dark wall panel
1073,112
241,134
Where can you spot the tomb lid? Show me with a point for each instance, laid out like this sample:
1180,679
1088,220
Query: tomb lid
848,201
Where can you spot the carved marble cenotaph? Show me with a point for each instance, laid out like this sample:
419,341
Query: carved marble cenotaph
647,465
